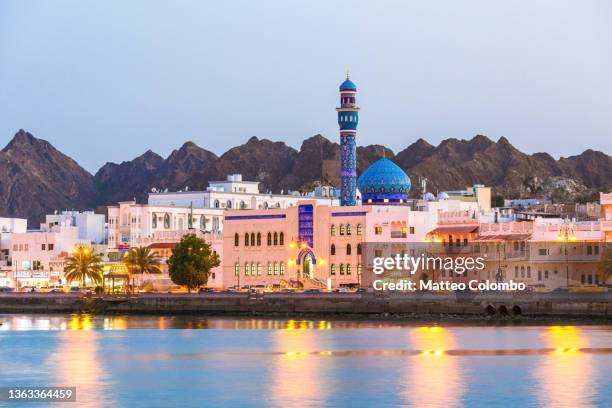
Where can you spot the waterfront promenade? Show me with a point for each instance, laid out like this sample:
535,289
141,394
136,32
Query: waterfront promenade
421,304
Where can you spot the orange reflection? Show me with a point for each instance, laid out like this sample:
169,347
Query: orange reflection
434,379
77,363
298,373
565,375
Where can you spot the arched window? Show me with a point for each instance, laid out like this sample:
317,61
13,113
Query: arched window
348,249
281,239
332,249
276,238
348,269
242,205
236,239
216,203
228,204
252,239
269,268
246,239
269,238
341,269
167,221
189,221
358,249
236,269
265,204
258,268
259,239
247,269
154,220
282,268
275,268
332,230
202,222
253,270
332,269
359,229
348,229
341,229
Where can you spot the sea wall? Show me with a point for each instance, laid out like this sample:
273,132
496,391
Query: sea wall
582,305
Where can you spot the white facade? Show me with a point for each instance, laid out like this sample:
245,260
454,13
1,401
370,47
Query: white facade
92,227
237,194
130,223
8,226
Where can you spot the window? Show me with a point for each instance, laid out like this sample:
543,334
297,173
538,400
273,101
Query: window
546,274
465,241
253,270
529,271
341,229
281,239
359,250
43,247
259,239
332,249
359,229
348,249
332,269
236,239
412,230
542,251
522,271
50,247
269,238
202,222
282,268
378,253
359,269
166,221
332,230
153,220
252,239
596,249
246,239
516,271
582,279
540,275
259,268
269,268
228,204
341,269
404,232
247,269
348,229
348,269
216,203
378,230
275,238
275,268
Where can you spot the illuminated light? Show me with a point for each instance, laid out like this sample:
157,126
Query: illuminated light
573,238
386,200
560,237
292,244
303,245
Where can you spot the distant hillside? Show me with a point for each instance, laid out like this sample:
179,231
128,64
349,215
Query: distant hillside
36,179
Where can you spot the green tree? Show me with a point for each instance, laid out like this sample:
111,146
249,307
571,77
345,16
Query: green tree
604,267
83,265
191,261
141,261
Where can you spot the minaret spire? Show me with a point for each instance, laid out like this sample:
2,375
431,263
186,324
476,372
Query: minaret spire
348,117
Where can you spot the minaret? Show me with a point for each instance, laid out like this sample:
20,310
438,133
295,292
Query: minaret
348,117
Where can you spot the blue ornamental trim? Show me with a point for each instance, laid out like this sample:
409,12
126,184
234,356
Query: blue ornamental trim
302,253
349,214
254,217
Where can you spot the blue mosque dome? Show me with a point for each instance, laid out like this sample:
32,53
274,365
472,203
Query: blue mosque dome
429,197
384,182
348,85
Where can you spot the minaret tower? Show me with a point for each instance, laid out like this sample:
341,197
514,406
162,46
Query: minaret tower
348,117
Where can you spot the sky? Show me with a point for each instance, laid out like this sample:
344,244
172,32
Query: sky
107,80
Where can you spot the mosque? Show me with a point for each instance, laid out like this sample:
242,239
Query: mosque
315,245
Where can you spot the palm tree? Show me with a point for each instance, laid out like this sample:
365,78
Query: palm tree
142,260
84,264
604,267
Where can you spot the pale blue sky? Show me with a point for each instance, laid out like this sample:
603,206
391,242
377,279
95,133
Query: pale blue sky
107,80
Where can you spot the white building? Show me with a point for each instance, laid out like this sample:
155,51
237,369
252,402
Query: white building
92,227
8,226
234,193
130,223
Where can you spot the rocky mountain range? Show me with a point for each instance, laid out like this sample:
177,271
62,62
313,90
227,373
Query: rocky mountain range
35,178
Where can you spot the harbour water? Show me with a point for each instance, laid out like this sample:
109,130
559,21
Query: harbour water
160,361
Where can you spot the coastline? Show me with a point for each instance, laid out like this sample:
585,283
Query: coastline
504,308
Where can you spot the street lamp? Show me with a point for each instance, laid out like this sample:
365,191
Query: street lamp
566,233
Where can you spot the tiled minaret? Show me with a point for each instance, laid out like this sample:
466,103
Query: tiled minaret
348,117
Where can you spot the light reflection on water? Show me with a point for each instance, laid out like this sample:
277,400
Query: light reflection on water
137,361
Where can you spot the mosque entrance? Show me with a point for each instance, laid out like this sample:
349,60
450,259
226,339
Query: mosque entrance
307,266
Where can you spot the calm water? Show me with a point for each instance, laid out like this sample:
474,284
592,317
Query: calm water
194,362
